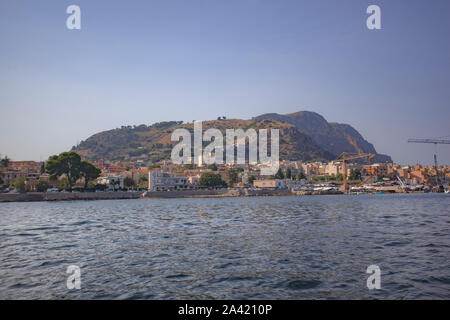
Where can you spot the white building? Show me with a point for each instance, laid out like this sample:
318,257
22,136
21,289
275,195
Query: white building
112,182
333,168
163,181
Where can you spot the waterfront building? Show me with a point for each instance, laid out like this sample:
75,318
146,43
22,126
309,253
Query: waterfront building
266,184
333,168
22,169
163,181
112,181
417,177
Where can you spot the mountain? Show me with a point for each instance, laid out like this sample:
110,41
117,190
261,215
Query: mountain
332,137
153,143
304,135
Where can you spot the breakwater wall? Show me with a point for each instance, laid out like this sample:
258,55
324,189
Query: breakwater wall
217,193
316,193
220,193
59,196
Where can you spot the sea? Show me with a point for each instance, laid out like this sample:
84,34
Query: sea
296,247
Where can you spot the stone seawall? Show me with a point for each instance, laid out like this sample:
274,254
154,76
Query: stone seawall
58,196
316,193
220,193
267,193
216,193
188,194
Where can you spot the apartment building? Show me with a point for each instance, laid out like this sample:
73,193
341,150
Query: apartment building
163,181
21,169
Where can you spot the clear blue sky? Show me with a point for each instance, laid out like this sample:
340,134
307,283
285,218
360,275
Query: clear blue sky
140,62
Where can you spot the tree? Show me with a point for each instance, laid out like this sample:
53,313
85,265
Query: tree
211,180
20,184
301,176
42,168
279,174
234,176
67,163
212,167
100,187
143,178
42,185
116,184
89,172
128,182
64,184
251,179
288,174
5,162
355,174
90,185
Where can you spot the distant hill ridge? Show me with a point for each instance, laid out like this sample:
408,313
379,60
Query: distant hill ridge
304,135
332,137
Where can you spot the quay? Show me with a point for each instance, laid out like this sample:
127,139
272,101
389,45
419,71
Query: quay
196,193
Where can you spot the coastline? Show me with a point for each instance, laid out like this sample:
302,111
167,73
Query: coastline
219,193
69,196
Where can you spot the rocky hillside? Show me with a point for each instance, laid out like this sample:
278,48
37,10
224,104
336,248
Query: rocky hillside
153,143
332,137
305,136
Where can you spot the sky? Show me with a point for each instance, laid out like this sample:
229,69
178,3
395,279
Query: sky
140,62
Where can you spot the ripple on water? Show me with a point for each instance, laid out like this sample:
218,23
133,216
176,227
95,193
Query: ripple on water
177,276
303,284
253,248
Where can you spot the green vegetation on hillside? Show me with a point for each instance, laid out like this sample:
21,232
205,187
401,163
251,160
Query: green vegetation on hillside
153,143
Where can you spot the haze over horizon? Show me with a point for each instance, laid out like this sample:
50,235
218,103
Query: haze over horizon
141,62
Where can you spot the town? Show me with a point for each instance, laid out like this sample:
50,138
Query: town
296,177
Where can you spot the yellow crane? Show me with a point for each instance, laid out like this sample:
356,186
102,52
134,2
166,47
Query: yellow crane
435,142
344,157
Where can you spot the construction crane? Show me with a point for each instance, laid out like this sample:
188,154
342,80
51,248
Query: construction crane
344,157
435,142
402,184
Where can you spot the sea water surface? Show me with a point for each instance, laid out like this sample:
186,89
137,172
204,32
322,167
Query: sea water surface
310,247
